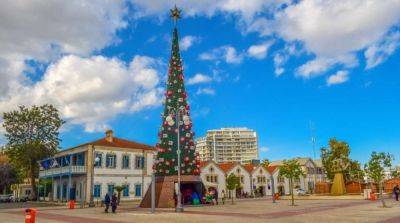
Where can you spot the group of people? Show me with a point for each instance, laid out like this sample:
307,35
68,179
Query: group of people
113,201
211,197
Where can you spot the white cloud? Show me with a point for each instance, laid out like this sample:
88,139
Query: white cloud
259,51
320,65
226,53
40,31
199,79
340,77
264,149
334,29
328,30
43,30
279,60
92,91
379,52
244,8
187,41
207,91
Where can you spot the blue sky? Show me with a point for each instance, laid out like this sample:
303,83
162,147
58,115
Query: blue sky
277,68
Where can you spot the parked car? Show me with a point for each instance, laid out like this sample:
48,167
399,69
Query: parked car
6,198
24,198
300,192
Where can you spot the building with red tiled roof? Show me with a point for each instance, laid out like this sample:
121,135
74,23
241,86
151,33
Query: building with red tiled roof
313,170
271,169
227,166
256,179
96,167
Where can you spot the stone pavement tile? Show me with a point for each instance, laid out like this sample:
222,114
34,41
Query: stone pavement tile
371,212
244,211
15,218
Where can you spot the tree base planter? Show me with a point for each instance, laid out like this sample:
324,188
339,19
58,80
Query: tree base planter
165,196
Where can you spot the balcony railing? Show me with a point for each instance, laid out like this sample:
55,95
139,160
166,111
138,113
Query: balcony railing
63,171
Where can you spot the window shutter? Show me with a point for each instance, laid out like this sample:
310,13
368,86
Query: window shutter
107,161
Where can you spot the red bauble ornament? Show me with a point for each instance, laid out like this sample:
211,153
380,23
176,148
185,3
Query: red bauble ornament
187,159
187,107
182,139
169,93
180,76
184,95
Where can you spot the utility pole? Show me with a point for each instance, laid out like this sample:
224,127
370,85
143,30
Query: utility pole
313,140
273,189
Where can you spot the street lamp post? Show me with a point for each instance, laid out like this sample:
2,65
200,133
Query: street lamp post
179,207
95,161
273,189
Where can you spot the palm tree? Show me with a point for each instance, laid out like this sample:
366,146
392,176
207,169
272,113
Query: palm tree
119,189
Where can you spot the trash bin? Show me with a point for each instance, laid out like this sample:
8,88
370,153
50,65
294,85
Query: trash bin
71,204
30,215
372,196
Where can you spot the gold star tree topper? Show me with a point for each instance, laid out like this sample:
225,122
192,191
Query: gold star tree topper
175,14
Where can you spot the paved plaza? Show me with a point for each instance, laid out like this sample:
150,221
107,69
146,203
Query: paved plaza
256,210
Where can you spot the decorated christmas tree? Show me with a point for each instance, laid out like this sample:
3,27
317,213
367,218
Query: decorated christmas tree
176,130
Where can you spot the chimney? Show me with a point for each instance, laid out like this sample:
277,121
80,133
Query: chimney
109,135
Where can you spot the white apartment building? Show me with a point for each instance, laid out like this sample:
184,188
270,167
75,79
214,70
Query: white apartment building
97,167
228,145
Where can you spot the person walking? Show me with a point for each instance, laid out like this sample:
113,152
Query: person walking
107,201
114,202
396,192
216,195
223,196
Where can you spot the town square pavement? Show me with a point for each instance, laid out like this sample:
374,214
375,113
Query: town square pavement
248,211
